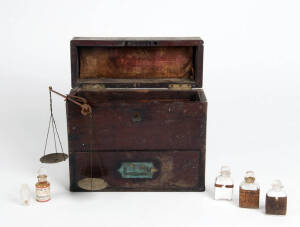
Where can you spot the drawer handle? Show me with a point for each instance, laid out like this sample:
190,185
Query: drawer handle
136,117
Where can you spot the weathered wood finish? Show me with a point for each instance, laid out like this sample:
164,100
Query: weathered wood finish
276,206
163,124
164,127
176,170
195,43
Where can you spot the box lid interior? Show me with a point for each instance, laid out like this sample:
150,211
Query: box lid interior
136,62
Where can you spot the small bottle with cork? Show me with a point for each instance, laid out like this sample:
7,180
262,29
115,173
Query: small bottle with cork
276,199
42,187
249,192
224,185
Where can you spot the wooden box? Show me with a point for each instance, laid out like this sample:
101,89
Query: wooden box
147,129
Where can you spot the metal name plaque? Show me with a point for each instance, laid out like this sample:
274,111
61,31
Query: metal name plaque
137,170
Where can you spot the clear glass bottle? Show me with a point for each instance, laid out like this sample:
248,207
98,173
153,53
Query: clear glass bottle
249,191
276,199
224,185
42,187
25,194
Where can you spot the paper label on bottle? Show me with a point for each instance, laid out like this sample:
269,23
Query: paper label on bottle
43,194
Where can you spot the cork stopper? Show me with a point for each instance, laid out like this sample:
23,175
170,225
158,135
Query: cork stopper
250,177
225,171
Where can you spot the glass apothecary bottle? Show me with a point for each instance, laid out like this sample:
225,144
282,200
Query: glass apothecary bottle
224,185
276,199
25,194
249,192
42,187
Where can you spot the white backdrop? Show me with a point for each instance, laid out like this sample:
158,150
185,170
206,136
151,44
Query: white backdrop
251,79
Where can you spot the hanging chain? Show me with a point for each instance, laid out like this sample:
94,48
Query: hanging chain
45,147
90,149
91,155
51,117
50,96
85,110
60,143
54,129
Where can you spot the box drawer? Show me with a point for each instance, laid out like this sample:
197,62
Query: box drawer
139,121
140,170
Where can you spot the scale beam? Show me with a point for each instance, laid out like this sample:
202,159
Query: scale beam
86,109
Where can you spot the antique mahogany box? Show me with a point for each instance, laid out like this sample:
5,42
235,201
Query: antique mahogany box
147,129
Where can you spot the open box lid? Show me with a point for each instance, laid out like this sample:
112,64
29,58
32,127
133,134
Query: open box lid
137,62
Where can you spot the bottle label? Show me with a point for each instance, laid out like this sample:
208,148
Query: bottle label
43,194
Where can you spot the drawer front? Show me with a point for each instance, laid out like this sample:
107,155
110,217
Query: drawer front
140,171
138,126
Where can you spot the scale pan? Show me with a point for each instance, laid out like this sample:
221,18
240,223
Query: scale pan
91,184
54,158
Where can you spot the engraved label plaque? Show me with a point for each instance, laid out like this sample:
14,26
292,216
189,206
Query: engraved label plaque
137,170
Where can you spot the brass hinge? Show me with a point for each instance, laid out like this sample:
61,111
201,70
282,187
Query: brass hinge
94,87
180,86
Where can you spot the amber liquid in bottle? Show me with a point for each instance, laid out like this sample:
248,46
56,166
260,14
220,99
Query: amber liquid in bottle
42,188
276,199
249,192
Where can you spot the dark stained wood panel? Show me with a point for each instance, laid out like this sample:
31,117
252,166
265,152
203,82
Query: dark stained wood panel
122,123
175,170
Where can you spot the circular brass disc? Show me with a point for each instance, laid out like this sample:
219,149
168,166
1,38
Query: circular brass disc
90,184
54,158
